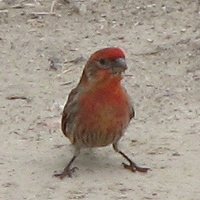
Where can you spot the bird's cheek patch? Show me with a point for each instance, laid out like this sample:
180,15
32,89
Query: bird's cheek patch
103,74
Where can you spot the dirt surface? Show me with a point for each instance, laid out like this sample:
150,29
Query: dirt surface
42,55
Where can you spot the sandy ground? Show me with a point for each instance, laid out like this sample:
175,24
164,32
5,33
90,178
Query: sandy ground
162,42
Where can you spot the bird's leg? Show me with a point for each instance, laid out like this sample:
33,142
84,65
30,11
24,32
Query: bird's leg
67,170
132,166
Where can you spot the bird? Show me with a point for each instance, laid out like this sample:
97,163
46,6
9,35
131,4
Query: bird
99,109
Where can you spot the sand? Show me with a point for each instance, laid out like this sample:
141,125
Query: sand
42,56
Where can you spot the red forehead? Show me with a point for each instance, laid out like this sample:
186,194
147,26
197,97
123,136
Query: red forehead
111,53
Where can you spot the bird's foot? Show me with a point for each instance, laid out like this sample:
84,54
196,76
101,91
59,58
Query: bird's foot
66,172
134,167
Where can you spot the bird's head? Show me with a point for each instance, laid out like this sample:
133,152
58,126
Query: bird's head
105,64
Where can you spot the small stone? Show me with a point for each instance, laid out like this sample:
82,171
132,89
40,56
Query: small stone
149,40
183,29
55,63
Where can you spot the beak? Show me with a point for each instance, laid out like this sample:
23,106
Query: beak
119,65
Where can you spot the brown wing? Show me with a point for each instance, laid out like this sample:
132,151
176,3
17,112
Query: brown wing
69,113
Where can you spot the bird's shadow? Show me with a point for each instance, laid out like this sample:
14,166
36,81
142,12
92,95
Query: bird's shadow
91,159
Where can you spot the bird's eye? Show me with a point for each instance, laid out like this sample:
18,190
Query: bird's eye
102,61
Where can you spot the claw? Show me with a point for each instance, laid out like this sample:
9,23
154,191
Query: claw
66,172
133,167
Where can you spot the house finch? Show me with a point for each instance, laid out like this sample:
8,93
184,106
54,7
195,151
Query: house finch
99,109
